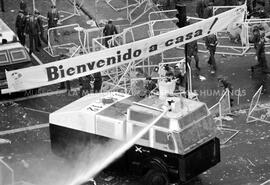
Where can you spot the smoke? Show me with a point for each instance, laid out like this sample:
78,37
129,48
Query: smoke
45,168
111,155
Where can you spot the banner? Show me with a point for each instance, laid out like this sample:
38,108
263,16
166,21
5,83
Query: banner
72,68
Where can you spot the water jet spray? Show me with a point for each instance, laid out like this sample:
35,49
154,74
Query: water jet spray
117,153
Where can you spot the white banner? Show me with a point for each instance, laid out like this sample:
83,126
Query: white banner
72,68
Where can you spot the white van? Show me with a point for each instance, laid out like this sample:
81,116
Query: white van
13,54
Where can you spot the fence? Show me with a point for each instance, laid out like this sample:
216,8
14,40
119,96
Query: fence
6,174
64,40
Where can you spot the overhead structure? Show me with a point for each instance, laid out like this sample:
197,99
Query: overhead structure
140,10
135,9
125,76
118,5
75,12
66,40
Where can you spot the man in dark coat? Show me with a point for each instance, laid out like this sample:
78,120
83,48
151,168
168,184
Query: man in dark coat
2,5
32,29
192,50
200,6
259,45
40,24
23,6
53,18
109,29
211,44
85,85
20,26
97,82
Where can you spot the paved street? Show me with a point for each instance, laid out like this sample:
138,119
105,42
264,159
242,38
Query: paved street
245,157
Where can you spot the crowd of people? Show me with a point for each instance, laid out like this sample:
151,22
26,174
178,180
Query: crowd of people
31,25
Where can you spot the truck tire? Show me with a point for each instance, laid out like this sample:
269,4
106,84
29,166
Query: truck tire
155,177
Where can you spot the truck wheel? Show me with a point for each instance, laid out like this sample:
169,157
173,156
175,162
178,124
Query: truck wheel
156,177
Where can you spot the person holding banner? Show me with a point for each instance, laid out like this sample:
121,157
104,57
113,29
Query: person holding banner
211,44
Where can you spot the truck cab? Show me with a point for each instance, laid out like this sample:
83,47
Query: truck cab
13,54
180,146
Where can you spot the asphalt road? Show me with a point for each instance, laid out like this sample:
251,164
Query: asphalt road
245,158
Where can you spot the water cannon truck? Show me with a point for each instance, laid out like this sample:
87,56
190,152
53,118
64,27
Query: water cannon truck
180,146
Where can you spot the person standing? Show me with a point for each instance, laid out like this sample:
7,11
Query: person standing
23,6
150,85
39,21
192,50
85,85
109,29
20,26
200,6
2,5
32,29
211,44
208,11
226,86
53,18
97,82
259,45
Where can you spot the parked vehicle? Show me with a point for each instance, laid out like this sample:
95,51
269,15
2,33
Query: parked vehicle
13,54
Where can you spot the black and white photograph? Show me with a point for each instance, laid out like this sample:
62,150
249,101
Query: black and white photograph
135,92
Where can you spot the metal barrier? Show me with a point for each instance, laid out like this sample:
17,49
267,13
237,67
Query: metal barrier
139,10
219,111
61,40
90,35
258,112
6,174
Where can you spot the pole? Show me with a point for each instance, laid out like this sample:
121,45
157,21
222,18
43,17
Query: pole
34,6
182,22
187,71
